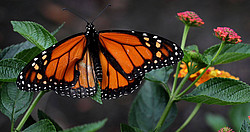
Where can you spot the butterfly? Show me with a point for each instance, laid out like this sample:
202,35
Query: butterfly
114,60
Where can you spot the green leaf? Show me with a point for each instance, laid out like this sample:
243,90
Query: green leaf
10,68
216,122
159,75
42,115
191,54
127,128
245,127
11,51
41,126
34,33
148,107
14,102
187,57
92,127
238,114
97,97
220,91
192,48
230,53
28,54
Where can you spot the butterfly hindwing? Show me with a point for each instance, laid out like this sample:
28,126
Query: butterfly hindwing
114,84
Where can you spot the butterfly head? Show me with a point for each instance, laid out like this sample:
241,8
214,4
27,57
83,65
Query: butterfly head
90,29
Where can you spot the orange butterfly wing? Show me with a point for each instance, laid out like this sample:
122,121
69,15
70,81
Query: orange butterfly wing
66,68
127,55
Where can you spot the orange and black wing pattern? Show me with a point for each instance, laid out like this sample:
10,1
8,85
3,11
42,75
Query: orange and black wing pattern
127,55
65,67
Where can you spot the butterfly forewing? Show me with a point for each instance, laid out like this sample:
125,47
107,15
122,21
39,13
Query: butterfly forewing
138,52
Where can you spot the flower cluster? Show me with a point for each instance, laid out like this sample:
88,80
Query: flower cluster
210,73
190,18
226,129
227,34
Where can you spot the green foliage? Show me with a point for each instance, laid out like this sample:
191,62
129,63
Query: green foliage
13,50
192,54
92,127
159,75
14,102
28,54
229,53
34,33
10,68
150,102
216,122
148,106
220,91
238,114
41,126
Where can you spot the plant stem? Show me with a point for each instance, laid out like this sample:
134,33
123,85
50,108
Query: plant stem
32,106
184,36
12,121
197,107
166,88
184,80
183,42
164,115
223,43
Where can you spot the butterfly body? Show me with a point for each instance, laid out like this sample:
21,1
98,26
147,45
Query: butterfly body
116,60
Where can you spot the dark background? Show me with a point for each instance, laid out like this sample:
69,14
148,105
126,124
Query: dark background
158,17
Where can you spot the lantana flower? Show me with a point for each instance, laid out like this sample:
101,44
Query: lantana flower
226,129
210,73
227,34
190,18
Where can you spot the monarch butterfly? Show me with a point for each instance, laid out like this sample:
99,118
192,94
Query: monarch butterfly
116,60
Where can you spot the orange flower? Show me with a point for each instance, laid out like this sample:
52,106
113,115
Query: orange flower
210,73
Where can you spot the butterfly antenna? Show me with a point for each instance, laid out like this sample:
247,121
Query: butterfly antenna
101,12
76,14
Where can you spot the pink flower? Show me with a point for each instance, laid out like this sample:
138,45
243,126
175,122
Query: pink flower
190,18
228,35
226,129
249,117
